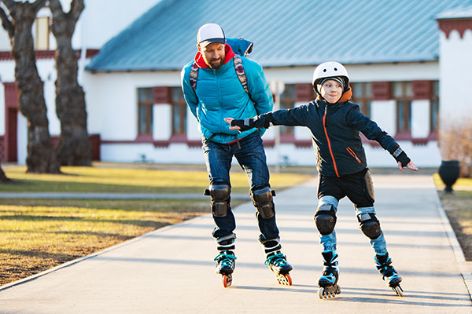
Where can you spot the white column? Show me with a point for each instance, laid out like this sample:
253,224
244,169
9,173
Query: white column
162,122
420,114
455,67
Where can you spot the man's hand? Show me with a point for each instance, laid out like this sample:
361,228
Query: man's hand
411,166
240,125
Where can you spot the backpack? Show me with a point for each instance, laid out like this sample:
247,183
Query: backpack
241,47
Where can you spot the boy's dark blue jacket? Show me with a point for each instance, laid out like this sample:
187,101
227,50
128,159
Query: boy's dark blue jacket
335,129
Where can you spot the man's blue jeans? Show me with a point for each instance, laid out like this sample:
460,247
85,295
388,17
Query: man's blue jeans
250,154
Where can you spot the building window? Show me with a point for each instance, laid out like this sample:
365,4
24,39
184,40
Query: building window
179,112
434,117
42,32
287,100
403,95
362,95
145,105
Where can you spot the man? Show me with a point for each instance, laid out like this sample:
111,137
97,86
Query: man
213,90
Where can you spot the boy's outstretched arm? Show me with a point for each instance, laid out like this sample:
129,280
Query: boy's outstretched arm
290,117
373,132
249,123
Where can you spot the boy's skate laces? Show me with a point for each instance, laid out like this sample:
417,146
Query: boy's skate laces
277,259
225,258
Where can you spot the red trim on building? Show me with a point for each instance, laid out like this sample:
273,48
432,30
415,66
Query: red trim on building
381,90
48,54
422,89
161,95
458,24
90,53
304,92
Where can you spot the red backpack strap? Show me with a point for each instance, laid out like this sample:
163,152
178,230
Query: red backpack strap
238,66
194,76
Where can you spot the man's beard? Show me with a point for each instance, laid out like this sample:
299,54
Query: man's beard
215,64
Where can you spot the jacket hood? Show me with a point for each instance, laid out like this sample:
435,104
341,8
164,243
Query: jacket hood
229,54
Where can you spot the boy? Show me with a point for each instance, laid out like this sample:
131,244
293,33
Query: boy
335,123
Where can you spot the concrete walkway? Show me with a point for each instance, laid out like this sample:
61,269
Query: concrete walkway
171,270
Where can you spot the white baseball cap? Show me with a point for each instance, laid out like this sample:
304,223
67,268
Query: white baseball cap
210,33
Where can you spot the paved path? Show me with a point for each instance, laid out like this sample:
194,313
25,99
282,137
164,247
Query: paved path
171,270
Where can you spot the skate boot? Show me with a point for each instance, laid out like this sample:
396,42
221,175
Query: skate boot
278,264
328,282
225,266
389,274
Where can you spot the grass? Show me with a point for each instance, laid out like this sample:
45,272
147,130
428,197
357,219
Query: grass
38,234
126,180
458,208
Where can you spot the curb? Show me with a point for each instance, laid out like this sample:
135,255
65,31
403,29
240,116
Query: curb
454,243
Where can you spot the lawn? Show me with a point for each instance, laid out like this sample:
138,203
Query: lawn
458,207
131,180
40,234
37,234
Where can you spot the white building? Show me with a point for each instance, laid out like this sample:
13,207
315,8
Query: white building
408,61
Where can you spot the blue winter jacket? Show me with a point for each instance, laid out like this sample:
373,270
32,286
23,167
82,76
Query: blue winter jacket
220,94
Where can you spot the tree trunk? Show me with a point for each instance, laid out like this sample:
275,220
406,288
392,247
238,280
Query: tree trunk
74,145
41,157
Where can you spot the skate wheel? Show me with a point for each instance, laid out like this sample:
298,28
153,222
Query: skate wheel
227,280
398,290
284,280
329,292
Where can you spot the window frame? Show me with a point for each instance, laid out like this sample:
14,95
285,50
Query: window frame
181,130
366,97
148,104
42,34
404,100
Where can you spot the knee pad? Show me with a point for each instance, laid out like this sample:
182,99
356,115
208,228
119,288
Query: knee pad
220,198
370,225
325,219
263,201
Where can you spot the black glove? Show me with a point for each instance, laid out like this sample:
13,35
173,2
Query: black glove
401,156
262,121
244,125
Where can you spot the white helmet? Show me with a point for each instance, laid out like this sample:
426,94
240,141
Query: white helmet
330,69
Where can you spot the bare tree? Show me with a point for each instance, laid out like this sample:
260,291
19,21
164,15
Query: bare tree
74,145
17,19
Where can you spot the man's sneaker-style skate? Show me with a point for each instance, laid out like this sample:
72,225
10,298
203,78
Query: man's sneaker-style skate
225,266
328,282
277,263
389,274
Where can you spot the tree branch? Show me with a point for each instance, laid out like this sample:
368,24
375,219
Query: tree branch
38,4
56,8
10,4
6,23
76,9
